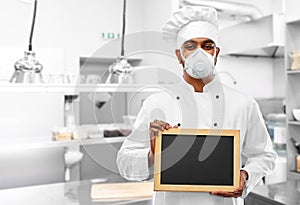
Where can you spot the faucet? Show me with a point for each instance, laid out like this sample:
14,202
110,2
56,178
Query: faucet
228,74
71,158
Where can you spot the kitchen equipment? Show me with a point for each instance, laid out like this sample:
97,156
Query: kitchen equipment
71,158
296,114
297,147
92,131
28,69
279,173
121,191
277,130
62,133
120,71
298,163
295,60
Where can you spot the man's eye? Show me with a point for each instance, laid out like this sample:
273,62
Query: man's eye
208,47
189,47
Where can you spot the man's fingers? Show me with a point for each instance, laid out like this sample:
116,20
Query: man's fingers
154,132
155,127
227,194
242,183
240,188
224,194
162,124
237,192
168,126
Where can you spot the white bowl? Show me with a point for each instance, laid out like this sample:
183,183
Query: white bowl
296,114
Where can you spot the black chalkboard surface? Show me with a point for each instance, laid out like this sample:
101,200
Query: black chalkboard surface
197,160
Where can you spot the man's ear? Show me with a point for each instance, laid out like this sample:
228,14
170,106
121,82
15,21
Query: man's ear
217,54
217,51
177,52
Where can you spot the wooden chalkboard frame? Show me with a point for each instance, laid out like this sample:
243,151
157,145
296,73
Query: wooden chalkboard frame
197,188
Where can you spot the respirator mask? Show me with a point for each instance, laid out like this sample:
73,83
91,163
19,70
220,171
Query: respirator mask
199,64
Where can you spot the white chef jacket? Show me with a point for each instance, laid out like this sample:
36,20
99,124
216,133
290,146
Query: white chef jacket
218,106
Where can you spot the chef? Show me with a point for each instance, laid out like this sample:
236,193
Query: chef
201,102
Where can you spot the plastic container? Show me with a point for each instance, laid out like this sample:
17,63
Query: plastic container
295,60
62,133
298,163
277,130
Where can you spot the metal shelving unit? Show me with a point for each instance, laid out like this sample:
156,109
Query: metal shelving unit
291,72
295,174
268,43
293,123
70,89
47,142
293,84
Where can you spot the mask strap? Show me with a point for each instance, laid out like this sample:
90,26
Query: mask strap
181,54
215,52
182,57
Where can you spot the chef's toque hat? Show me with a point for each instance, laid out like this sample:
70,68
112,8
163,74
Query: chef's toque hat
192,22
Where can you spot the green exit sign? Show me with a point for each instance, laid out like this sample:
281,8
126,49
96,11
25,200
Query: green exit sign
110,35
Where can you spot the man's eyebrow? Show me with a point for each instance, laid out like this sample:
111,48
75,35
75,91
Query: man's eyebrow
189,41
205,41
208,41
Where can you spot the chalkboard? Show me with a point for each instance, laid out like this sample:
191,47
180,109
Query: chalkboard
197,160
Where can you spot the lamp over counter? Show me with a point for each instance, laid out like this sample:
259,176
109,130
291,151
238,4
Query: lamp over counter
120,71
28,69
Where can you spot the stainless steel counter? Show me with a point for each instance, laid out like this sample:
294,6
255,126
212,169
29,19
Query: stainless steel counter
287,193
71,193
78,193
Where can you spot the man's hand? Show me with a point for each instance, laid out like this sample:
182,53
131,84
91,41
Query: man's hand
237,192
155,127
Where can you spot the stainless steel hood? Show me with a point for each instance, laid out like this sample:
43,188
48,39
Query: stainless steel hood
263,37
226,7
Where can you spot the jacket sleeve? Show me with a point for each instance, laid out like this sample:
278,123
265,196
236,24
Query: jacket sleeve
257,148
132,158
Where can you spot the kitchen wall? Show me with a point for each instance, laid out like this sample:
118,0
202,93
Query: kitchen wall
254,76
279,78
266,7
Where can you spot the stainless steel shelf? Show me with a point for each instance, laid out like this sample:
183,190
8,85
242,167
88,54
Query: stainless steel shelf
292,42
8,145
294,21
266,42
294,123
107,60
71,89
294,173
290,72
